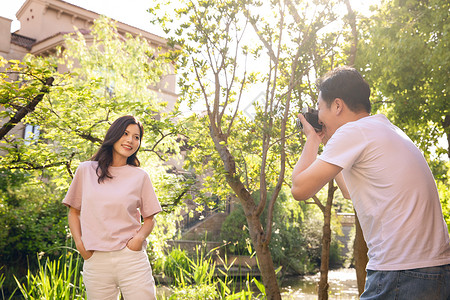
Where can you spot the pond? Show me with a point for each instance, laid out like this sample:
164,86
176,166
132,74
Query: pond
342,286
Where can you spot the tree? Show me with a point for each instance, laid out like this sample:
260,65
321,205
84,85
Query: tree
217,68
21,97
109,77
404,55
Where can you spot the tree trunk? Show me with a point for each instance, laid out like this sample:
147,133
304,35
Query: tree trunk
360,255
326,241
265,261
257,234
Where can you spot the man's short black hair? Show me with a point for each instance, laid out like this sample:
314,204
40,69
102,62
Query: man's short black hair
347,84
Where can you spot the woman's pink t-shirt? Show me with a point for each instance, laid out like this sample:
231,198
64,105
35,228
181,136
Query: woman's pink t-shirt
110,212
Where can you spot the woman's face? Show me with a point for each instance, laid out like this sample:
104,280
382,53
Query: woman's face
128,144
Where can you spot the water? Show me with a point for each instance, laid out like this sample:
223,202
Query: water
342,286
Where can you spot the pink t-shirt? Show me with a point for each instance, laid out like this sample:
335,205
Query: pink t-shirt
393,192
110,212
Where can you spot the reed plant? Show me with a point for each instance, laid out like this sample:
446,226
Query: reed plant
203,280
2,281
55,279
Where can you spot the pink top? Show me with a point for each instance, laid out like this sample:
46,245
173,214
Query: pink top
110,212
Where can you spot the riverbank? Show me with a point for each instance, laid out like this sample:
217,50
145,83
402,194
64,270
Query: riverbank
342,283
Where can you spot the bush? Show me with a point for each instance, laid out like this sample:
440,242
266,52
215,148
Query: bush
197,292
296,236
234,230
295,243
33,220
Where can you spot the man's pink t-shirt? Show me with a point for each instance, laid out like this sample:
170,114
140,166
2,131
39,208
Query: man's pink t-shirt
393,192
110,212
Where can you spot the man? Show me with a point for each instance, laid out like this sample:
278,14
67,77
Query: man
391,186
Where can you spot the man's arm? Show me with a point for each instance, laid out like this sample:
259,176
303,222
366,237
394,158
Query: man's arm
311,174
342,186
308,182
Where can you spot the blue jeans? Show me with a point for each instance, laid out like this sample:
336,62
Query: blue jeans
424,284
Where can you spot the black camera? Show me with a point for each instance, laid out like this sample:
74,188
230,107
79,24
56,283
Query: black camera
312,116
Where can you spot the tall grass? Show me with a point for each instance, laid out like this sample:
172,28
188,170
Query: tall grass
195,278
202,280
58,279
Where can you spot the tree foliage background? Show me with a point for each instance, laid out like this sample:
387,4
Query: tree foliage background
230,52
403,53
110,76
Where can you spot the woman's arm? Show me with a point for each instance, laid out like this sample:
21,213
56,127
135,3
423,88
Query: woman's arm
136,242
75,229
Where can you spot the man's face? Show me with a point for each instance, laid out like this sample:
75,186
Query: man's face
326,117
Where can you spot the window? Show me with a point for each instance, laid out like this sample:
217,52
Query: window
31,133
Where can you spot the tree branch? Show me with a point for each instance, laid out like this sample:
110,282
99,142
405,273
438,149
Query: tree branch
30,107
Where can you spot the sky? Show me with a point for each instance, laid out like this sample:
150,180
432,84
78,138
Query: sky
131,12
134,13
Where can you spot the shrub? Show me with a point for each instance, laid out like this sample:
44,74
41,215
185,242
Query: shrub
32,219
296,236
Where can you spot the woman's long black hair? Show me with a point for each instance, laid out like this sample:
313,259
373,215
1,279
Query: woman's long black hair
104,155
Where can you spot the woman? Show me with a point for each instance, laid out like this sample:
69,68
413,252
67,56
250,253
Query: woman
107,198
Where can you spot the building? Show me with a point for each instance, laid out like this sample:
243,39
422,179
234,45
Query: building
43,24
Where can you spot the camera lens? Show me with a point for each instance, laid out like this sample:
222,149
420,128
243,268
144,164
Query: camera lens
312,116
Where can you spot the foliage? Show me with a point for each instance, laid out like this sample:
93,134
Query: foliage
109,76
404,55
2,281
164,230
21,81
32,221
195,292
219,62
177,262
58,279
296,240
235,232
444,195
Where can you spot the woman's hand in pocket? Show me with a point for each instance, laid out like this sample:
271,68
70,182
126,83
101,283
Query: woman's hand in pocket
135,244
86,254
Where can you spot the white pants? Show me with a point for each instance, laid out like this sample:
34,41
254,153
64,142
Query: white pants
105,273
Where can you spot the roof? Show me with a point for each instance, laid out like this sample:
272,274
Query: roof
22,41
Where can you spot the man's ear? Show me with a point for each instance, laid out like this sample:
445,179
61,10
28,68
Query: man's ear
339,105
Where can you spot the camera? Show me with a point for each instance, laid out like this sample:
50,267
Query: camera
312,116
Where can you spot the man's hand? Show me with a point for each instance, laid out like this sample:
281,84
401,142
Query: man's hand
308,130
